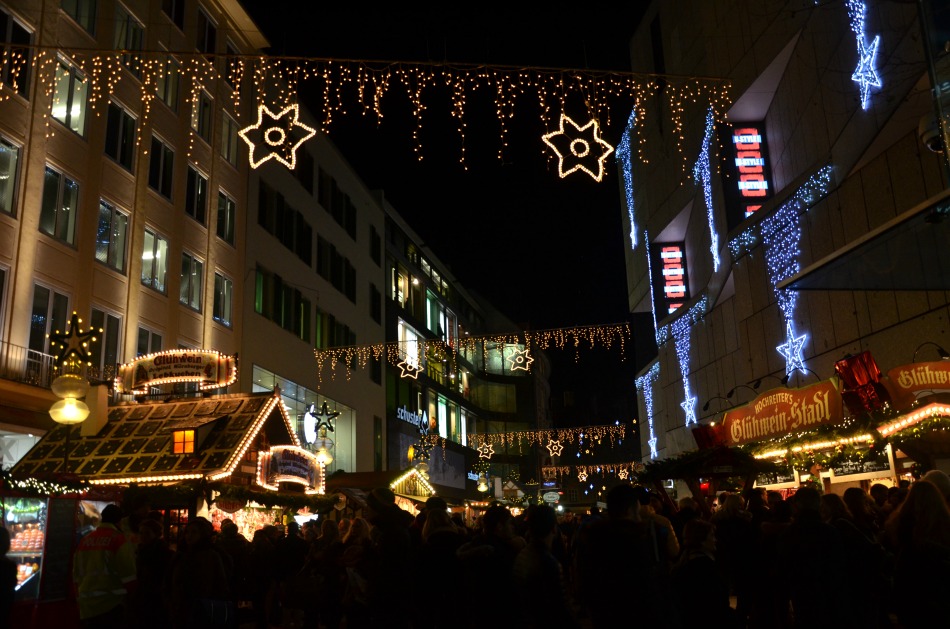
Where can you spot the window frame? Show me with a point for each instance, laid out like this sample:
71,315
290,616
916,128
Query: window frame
202,113
174,10
196,195
229,214
163,180
58,208
152,281
20,85
188,293
113,251
125,18
169,92
89,24
201,38
228,143
223,308
10,187
66,69
125,136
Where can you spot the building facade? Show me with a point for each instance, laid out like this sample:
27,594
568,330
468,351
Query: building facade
824,145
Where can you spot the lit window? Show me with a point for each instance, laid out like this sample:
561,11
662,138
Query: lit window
183,441
69,98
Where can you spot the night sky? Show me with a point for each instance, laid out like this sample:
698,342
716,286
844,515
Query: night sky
547,252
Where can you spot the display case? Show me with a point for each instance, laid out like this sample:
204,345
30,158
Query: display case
25,519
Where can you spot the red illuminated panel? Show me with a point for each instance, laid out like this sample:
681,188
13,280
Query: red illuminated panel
674,275
750,164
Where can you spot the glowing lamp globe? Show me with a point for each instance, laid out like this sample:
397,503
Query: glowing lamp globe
69,411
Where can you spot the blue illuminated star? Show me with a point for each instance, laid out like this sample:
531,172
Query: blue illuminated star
689,407
866,74
791,349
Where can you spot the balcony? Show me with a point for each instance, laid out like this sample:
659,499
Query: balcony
28,366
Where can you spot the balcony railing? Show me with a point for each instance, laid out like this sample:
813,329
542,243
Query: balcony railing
21,364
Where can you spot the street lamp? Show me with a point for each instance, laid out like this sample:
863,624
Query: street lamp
482,483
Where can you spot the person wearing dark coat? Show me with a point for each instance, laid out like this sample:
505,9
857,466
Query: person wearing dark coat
700,579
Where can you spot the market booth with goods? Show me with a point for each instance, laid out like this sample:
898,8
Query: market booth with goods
233,456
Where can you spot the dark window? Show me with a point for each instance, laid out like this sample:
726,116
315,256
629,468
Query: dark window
160,168
375,246
223,293
304,170
175,10
83,13
201,111
227,209
283,304
148,342
9,163
231,66
50,310
196,195
111,236
105,353
207,33
60,206
120,136
129,35
16,54
375,304
192,273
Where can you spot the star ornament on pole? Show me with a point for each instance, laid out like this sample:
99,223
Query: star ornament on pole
791,349
279,136
578,148
521,360
554,447
486,450
74,343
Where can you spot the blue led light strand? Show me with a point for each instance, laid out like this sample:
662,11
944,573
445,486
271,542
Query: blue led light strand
625,159
781,236
702,172
645,386
865,75
680,331
646,244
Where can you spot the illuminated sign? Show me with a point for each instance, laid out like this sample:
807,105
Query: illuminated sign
748,170
289,464
781,412
671,281
209,369
416,419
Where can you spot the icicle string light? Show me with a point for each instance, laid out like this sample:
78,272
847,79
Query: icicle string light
411,357
680,330
579,434
645,386
361,85
625,159
702,172
622,470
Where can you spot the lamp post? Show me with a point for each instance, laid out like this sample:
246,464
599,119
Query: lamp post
71,385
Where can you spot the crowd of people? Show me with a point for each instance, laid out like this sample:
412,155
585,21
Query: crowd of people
863,559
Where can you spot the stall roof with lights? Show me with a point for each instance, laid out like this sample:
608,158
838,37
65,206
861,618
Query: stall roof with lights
136,443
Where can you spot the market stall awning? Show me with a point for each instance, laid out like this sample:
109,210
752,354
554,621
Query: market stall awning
910,252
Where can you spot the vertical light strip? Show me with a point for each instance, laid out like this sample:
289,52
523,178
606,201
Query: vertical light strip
625,158
645,386
702,172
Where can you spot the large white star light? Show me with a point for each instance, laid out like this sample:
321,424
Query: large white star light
278,139
689,407
578,150
791,349
865,75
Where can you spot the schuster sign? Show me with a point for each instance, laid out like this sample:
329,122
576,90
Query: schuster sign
782,411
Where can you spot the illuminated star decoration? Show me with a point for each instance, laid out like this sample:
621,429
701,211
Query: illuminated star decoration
425,444
521,359
791,349
582,476
689,407
576,150
622,474
325,417
485,450
645,386
652,442
276,131
865,75
554,447
73,343
408,371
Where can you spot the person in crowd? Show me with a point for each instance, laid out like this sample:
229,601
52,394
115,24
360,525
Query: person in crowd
941,480
325,564
152,561
441,540
197,589
537,575
238,550
810,542
921,533
669,545
392,547
359,564
8,573
688,510
104,573
770,607
698,576
490,558
865,567
344,527
861,508
737,538
618,567
757,505
262,568
291,553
